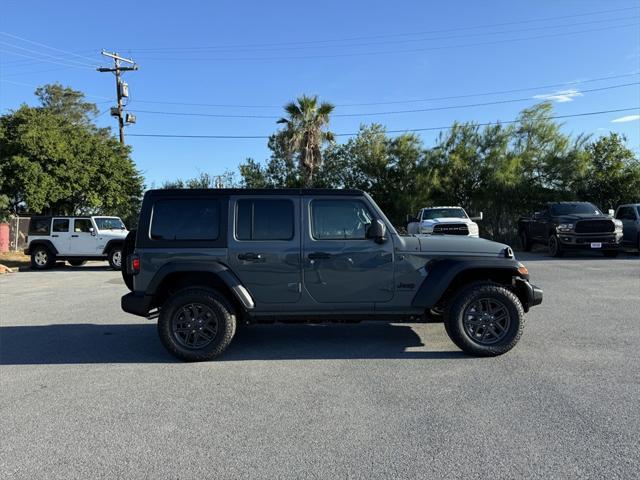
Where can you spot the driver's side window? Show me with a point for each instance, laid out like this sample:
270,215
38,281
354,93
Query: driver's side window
339,220
82,225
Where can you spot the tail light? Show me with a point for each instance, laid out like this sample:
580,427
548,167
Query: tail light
134,264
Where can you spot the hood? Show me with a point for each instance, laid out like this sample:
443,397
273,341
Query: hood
114,233
581,216
459,245
433,221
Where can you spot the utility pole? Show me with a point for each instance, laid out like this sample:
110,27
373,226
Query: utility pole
122,89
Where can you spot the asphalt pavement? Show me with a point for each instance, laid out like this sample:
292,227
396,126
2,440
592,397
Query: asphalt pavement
87,391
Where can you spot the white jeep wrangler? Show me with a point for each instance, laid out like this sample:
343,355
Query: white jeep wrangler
76,240
443,220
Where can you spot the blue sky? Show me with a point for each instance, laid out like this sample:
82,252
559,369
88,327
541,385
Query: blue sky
257,56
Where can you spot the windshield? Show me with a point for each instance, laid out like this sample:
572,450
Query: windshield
432,213
575,208
109,223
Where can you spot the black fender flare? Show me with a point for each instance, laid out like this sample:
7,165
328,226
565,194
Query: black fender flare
45,243
441,273
204,266
112,243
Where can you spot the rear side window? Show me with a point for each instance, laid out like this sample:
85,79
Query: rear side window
186,219
60,224
264,219
39,226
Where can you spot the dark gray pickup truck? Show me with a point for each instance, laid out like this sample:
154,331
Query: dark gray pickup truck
205,260
564,226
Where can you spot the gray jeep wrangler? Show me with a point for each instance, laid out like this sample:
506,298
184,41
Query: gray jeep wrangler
206,260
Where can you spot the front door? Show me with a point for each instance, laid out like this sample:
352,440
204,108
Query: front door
83,238
264,247
341,265
61,234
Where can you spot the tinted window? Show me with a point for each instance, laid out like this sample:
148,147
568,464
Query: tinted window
61,225
339,220
624,212
264,220
432,213
82,225
574,208
186,219
109,223
39,226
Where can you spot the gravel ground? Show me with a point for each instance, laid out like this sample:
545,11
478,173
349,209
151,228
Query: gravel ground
87,391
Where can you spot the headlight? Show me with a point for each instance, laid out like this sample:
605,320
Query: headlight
426,228
565,227
618,224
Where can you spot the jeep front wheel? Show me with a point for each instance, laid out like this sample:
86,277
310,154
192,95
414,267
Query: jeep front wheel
485,319
41,258
196,324
555,249
115,258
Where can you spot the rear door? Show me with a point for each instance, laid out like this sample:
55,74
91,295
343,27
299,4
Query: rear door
340,264
83,238
61,234
264,246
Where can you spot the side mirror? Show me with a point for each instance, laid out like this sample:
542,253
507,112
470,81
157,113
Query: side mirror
377,231
92,231
478,218
611,212
537,214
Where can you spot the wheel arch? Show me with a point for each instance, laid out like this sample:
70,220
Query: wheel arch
113,243
447,276
176,276
43,243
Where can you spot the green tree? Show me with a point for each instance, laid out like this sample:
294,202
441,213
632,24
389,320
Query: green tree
53,159
304,133
613,174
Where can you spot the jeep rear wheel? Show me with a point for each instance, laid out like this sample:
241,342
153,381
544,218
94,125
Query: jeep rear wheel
41,258
485,319
115,258
196,324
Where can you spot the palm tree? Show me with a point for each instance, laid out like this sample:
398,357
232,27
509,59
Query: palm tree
305,134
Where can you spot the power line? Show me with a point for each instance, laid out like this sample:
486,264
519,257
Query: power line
44,54
48,46
407,130
390,52
46,60
392,102
394,112
403,41
393,35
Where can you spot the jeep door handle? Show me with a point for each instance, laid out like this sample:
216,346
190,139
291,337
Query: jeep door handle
319,256
55,236
250,256
75,236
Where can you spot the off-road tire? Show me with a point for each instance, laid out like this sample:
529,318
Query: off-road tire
555,248
42,258
77,263
224,313
112,257
525,243
454,320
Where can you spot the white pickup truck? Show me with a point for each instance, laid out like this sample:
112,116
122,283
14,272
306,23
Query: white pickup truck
76,240
443,220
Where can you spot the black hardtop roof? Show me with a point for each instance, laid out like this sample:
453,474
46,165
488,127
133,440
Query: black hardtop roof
252,191
568,203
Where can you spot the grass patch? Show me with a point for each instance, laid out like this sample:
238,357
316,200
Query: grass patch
14,260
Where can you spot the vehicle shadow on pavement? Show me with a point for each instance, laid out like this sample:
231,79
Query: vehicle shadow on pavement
587,255
139,343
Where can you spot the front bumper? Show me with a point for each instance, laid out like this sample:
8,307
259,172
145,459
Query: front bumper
530,295
136,303
573,241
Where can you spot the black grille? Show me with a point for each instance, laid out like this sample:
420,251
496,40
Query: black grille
595,226
451,229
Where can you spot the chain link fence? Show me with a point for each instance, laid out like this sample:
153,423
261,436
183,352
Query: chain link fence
18,231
